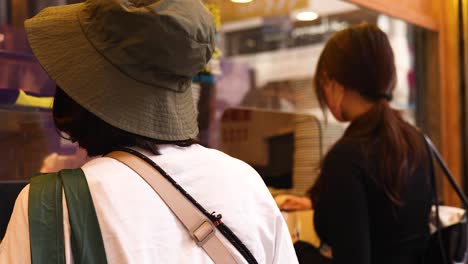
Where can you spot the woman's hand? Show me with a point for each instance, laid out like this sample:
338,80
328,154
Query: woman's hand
295,203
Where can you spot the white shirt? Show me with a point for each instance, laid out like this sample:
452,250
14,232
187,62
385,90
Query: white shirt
137,227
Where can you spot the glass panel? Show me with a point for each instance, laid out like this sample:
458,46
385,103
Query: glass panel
265,63
268,63
28,138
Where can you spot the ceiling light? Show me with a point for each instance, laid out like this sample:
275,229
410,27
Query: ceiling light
241,1
307,16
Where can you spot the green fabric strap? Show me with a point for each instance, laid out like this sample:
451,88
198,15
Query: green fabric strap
86,239
45,214
46,219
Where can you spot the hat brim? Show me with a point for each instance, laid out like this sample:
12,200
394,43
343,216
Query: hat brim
58,42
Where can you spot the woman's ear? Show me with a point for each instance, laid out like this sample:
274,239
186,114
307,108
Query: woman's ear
334,94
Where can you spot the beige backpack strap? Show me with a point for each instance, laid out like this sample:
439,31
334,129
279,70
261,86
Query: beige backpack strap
200,227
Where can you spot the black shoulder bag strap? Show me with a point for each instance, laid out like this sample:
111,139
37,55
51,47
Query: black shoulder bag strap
139,163
434,153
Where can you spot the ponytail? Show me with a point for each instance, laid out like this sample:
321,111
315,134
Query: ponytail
397,144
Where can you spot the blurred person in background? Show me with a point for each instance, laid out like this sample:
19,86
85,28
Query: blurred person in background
373,196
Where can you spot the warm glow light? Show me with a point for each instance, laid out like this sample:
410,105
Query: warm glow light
2,37
307,16
241,1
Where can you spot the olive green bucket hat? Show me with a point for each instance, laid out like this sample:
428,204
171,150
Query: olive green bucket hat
128,62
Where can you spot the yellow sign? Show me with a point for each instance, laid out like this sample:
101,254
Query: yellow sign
257,8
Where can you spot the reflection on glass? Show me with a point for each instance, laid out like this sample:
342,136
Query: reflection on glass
269,64
28,138
266,60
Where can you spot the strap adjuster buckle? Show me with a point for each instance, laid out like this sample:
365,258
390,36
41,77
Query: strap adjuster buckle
203,232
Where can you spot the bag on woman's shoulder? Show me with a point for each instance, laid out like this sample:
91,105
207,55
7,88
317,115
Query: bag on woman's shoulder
451,236
448,242
307,253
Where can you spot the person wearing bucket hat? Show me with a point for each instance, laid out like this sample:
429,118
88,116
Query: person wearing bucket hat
123,70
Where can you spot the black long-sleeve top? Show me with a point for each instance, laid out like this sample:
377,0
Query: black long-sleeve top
357,220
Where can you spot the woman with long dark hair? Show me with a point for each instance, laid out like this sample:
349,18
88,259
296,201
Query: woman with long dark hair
372,199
